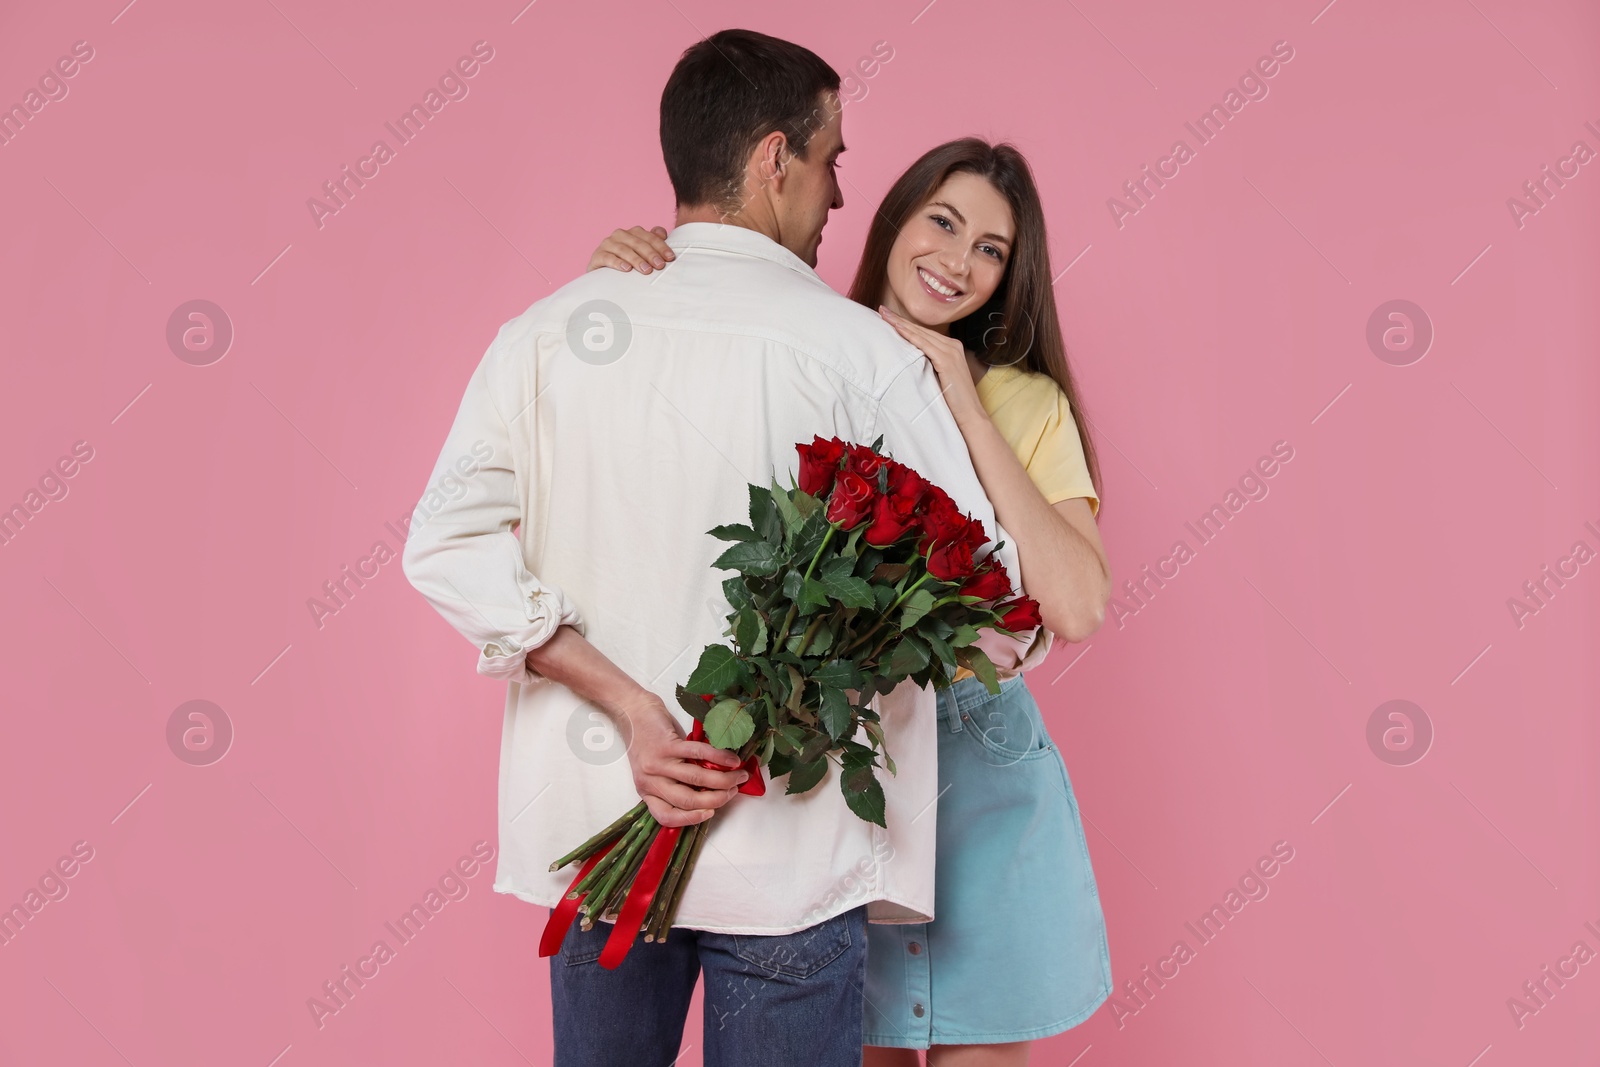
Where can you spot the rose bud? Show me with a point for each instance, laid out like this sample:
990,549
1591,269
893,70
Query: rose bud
990,584
851,501
819,463
865,462
950,561
892,517
1019,615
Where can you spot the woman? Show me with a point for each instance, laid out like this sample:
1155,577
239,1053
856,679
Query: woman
956,260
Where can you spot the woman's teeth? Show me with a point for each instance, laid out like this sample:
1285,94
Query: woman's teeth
936,285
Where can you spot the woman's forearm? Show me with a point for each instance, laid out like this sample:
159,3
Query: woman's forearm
1061,569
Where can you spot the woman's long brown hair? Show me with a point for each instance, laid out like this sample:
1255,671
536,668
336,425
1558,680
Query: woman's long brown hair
1018,324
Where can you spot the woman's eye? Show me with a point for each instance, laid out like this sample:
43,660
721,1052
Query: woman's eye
992,251
941,221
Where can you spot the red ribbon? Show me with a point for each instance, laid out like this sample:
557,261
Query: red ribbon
755,787
640,894
555,928
645,883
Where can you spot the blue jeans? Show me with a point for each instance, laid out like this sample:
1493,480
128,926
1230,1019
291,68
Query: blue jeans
791,1000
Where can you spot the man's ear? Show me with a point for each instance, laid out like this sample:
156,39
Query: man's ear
773,157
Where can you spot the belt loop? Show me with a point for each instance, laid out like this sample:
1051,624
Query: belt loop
952,708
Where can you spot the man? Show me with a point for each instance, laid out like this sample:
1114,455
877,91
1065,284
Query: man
615,422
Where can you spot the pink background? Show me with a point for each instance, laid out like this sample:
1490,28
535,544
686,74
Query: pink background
1228,713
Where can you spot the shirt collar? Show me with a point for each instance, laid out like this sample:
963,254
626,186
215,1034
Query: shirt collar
739,240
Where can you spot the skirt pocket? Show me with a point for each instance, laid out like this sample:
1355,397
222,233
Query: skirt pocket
1008,727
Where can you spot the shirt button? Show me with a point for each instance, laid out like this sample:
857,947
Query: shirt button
916,1009
914,948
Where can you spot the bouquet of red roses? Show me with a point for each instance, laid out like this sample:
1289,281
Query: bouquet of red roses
860,577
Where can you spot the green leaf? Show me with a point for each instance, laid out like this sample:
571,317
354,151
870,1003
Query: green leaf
764,515
910,656
978,662
864,795
964,635
717,670
750,557
805,543
797,686
838,673
790,738
735,531
791,514
889,572
851,592
917,605
883,596
736,592
836,713
805,776
750,630
816,746
805,503
728,725
812,595
941,650
692,703
779,765
875,731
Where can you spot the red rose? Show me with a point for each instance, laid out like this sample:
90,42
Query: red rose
851,500
865,462
989,584
950,561
906,483
942,519
819,462
892,517
1019,615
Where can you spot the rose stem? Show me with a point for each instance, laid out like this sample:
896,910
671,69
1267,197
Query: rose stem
858,642
683,883
600,870
669,884
794,605
602,890
598,841
618,893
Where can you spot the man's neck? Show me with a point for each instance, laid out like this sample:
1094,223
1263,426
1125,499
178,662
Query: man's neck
760,223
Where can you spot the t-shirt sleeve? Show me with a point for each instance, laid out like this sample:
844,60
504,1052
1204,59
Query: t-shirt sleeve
1057,465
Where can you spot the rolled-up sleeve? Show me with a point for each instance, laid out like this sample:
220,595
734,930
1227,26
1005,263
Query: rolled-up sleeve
460,551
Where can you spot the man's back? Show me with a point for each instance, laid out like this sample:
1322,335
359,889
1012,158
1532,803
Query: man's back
626,414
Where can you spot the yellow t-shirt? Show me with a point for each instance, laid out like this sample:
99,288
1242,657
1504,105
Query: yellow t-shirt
1033,415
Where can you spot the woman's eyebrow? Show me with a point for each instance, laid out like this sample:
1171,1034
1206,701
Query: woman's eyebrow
1002,238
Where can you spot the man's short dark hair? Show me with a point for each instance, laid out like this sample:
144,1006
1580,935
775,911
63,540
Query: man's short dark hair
727,93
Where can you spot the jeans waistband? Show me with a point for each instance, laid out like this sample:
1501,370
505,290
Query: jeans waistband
970,693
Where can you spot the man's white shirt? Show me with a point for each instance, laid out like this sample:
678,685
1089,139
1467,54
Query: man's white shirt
612,424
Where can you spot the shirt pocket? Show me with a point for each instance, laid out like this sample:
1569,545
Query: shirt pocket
798,955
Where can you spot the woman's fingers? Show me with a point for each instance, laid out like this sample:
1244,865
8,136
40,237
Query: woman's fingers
654,241
644,247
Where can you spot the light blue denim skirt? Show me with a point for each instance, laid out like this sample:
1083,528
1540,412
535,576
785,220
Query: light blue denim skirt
1017,947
